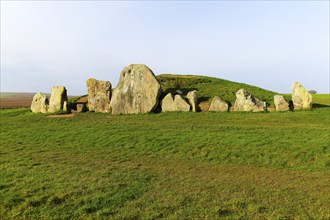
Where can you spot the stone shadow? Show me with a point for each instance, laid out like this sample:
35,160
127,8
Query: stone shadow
317,105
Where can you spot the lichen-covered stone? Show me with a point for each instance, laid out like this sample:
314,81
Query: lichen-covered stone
247,102
39,103
280,103
192,97
301,98
167,104
181,104
99,95
137,91
218,105
57,99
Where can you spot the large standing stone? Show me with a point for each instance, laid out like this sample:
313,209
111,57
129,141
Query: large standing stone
99,95
247,102
181,104
301,98
57,98
39,103
280,103
137,91
167,104
192,98
218,105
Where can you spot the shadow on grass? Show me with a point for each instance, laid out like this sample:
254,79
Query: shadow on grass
317,105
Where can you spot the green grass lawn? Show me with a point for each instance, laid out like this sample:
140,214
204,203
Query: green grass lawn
170,165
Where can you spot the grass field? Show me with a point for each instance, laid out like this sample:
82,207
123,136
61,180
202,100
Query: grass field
169,165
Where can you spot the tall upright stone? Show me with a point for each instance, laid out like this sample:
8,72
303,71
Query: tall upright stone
218,105
247,102
99,95
57,99
301,98
167,104
280,103
137,91
192,97
39,103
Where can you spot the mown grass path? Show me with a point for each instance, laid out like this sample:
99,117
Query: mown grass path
170,165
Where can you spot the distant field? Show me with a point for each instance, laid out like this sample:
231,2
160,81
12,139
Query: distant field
7,95
17,100
169,165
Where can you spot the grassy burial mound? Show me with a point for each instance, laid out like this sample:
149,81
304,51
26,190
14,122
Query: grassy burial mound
208,87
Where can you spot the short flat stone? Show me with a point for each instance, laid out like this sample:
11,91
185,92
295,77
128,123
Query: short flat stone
181,104
218,105
247,102
167,104
280,103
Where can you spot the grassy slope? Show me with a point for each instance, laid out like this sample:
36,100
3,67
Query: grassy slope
171,165
208,87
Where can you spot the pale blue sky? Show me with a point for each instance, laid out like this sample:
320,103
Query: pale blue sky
264,43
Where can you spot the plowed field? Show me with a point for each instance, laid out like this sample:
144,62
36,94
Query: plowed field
15,100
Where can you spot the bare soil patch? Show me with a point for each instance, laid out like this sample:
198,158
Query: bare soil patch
61,116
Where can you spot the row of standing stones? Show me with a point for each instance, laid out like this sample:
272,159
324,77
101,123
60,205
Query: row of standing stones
138,91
